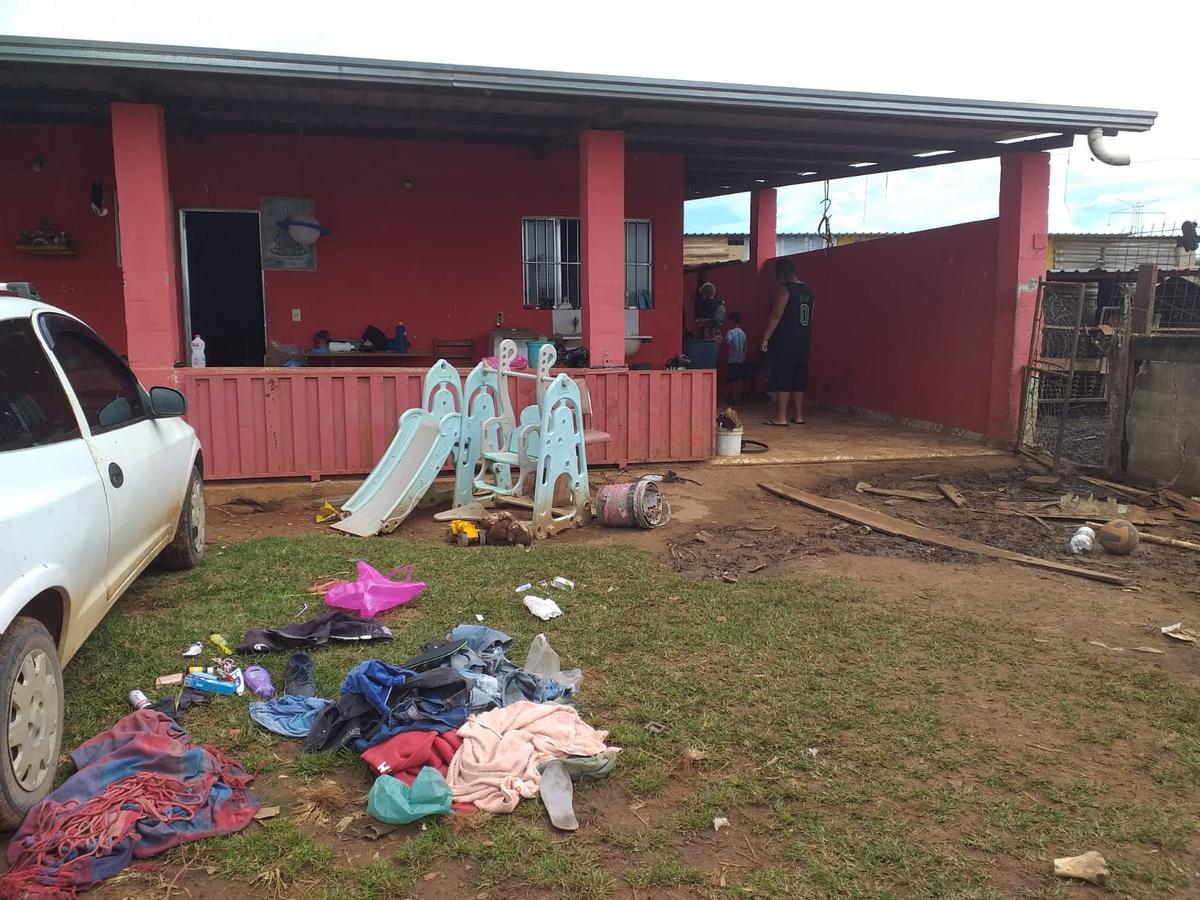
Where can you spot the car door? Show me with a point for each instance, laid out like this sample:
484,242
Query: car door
54,519
132,450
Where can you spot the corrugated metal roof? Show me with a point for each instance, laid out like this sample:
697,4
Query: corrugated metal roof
734,137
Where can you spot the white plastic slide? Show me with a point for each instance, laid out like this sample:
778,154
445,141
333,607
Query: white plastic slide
404,474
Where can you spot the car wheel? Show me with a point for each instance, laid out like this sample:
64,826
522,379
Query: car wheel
31,683
186,549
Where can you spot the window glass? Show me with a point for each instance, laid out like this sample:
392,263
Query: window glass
551,262
103,384
34,409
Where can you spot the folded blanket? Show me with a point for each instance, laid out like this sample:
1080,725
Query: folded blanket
497,764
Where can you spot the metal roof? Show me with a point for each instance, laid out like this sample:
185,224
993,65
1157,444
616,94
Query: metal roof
734,137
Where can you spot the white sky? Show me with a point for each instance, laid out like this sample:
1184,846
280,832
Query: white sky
1097,54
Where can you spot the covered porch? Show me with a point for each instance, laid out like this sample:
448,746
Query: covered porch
467,205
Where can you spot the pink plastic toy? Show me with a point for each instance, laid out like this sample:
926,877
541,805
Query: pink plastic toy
372,592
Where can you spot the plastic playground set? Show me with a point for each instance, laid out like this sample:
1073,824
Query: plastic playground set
498,457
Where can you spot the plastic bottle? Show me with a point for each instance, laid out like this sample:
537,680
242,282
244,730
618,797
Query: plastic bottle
258,680
198,352
1082,540
138,700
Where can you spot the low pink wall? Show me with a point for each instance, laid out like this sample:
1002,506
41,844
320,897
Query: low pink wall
275,423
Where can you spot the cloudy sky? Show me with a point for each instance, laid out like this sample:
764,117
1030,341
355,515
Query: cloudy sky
1070,53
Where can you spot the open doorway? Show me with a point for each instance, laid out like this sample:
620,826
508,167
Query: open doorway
223,285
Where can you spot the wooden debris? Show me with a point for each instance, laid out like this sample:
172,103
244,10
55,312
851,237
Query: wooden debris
870,518
1078,512
952,494
924,496
1154,650
931,477
1090,866
1105,646
1044,482
1188,508
266,812
1126,490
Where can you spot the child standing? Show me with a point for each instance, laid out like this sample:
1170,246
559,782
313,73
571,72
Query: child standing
736,338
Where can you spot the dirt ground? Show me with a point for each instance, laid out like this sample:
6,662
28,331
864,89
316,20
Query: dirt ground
728,528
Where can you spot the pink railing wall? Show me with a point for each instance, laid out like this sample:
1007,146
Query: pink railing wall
280,423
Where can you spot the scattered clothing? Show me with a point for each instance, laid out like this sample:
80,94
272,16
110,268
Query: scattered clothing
290,715
423,701
173,706
404,755
432,655
498,762
299,680
332,626
141,788
588,768
396,803
495,680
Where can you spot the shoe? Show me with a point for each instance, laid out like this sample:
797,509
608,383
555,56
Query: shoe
299,680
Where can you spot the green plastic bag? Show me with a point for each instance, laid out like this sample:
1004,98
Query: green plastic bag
395,803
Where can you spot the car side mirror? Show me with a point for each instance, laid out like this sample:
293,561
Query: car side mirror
166,403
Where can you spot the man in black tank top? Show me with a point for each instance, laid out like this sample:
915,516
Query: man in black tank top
786,342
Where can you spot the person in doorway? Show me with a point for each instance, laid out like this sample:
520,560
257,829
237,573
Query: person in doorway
786,343
737,369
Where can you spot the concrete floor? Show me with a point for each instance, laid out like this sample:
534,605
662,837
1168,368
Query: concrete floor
831,436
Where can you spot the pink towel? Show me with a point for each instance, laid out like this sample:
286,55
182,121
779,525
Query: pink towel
498,762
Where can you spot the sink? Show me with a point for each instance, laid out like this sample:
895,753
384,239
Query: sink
633,343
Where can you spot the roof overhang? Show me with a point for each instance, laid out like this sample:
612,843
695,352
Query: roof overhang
733,137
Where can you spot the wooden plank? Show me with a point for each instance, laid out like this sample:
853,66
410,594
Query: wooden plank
924,496
860,515
1188,508
952,494
1142,496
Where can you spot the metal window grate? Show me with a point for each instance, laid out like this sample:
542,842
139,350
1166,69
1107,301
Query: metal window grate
550,259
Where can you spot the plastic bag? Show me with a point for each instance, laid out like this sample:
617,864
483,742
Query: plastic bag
372,592
542,607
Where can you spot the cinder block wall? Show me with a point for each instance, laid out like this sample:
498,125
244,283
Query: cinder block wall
1162,426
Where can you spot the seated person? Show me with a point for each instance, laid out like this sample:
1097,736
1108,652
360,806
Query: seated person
321,342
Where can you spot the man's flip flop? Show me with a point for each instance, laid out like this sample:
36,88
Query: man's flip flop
776,424
797,421
558,794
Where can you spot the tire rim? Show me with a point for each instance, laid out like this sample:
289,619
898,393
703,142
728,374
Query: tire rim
33,715
197,515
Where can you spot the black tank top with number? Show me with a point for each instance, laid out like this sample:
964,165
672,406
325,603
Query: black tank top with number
791,335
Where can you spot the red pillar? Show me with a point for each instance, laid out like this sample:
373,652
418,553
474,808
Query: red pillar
762,229
602,245
1020,262
147,240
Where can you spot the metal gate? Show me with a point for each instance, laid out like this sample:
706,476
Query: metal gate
1065,396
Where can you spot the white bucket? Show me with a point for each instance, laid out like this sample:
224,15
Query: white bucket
729,442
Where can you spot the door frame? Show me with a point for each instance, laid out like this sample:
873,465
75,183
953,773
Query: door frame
183,264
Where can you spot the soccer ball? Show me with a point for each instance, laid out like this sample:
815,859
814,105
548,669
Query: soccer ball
1119,537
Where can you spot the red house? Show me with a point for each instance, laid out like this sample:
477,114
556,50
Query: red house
468,203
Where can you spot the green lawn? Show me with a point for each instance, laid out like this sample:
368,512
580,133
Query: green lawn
912,791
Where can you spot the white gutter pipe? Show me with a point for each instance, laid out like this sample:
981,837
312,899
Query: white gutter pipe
1103,152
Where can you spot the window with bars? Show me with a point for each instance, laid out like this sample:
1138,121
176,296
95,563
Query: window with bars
550,257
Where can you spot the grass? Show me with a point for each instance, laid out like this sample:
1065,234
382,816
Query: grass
841,734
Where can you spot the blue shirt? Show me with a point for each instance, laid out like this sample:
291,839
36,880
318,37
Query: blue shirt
737,344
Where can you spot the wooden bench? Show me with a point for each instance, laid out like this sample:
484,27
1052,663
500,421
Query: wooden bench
456,351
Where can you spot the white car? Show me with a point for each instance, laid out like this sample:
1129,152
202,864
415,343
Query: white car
98,478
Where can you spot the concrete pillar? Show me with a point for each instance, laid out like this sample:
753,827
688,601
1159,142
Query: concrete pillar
1020,262
152,311
762,228
602,245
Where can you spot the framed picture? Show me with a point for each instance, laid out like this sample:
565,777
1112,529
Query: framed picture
279,249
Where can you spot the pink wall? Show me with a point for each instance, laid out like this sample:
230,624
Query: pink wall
443,256
902,325
89,283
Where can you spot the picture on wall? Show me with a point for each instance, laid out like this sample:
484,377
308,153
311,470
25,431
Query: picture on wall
280,249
